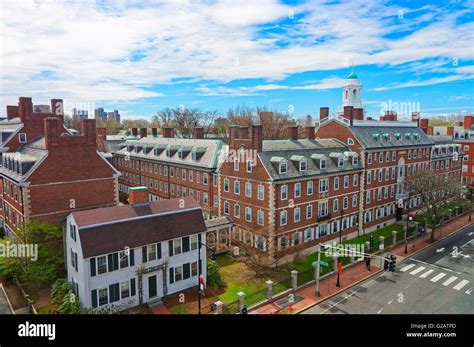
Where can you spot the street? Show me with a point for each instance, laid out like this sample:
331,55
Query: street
439,279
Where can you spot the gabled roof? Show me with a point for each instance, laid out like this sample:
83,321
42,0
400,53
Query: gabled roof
111,229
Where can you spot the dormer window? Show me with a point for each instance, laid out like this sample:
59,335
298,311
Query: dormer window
168,152
397,136
355,160
408,136
248,165
303,166
283,168
22,137
180,154
193,155
322,164
340,161
375,137
236,165
350,141
416,136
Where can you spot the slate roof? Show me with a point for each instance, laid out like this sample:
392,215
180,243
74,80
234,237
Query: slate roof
208,150
111,229
313,151
365,136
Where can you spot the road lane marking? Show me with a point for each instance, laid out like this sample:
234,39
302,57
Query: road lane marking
461,284
438,277
414,272
439,267
426,274
408,267
449,281
468,291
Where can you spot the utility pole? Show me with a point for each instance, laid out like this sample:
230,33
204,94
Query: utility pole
340,222
408,219
318,271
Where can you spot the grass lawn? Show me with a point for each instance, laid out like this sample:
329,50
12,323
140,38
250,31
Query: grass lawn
43,310
443,209
305,264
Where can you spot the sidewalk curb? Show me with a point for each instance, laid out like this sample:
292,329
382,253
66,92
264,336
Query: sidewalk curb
381,270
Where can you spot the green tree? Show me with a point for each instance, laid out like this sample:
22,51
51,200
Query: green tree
38,269
214,277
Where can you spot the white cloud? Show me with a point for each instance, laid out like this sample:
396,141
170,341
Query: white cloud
118,51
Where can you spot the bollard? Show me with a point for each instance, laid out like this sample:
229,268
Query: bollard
394,237
219,307
269,290
381,247
335,263
294,279
241,296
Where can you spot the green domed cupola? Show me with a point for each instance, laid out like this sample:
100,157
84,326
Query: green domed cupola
352,75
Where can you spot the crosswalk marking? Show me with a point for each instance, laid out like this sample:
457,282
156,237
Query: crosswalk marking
408,267
449,281
414,272
426,274
461,284
438,277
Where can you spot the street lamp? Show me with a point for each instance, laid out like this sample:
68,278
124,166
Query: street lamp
408,220
213,258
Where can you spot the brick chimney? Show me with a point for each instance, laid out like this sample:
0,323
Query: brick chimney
199,133
12,112
323,113
143,132
52,132
310,131
168,132
424,123
429,131
154,132
359,113
257,137
349,114
293,131
135,132
233,134
391,116
415,117
450,131
57,107
244,132
88,129
25,108
468,122
369,118
138,195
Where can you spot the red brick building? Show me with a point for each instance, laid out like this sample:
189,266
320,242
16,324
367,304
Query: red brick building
46,172
390,150
286,196
171,167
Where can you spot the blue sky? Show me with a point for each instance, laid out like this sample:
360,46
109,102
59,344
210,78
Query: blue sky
140,57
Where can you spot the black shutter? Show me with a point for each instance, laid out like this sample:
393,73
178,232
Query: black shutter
186,244
116,261
199,239
200,266
117,291
75,260
132,287
144,254
186,271
171,275
110,261
92,262
170,248
132,257
94,297
158,247
111,293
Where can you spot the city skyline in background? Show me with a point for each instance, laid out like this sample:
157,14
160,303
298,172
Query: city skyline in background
290,56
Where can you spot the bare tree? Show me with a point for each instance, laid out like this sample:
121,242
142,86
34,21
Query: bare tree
185,120
434,189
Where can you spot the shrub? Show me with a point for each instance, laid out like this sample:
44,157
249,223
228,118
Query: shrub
214,277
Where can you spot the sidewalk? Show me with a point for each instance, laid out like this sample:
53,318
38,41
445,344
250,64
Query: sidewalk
306,296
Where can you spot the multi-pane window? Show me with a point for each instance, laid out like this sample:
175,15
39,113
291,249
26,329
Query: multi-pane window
309,188
309,211
284,192
226,207
101,265
248,214
260,192
346,181
248,189
335,205
345,204
260,217
237,210
336,183
297,190
283,217
323,185
355,180
296,214
226,184
322,208
236,165
236,187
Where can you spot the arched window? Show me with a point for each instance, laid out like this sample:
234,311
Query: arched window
347,94
354,94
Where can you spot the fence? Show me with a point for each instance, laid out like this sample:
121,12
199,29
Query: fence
24,294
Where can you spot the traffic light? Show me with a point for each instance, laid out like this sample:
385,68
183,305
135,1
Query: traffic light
244,310
386,263
393,263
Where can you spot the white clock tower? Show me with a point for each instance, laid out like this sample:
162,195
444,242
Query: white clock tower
351,91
